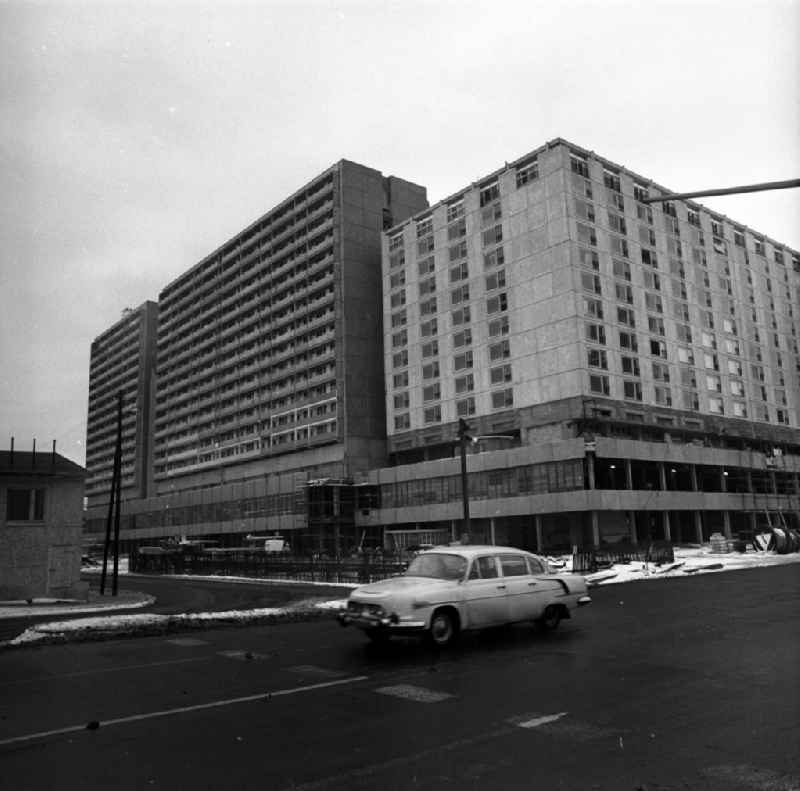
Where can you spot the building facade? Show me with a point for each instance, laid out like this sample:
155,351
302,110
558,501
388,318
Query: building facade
613,345
123,361
270,363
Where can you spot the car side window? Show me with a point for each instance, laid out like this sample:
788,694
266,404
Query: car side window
535,566
513,565
487,567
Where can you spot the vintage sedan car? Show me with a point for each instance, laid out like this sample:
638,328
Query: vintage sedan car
448,590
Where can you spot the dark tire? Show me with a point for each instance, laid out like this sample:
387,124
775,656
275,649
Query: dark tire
443,629
550,619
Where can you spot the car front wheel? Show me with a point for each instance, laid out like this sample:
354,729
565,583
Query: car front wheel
550,618
443,628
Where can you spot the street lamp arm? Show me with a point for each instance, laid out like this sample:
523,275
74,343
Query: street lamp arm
764,186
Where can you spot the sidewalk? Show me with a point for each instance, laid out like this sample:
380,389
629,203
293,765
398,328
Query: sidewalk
688,560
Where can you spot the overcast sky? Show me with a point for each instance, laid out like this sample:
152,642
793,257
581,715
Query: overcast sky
137,137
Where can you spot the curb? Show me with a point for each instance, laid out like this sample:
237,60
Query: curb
172,624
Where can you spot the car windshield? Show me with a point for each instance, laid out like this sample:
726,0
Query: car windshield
437,565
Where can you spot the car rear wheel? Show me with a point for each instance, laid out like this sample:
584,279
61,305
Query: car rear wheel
550,618
443,628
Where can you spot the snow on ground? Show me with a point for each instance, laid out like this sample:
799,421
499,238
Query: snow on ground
688,560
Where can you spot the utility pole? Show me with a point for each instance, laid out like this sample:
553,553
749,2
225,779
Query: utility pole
113,500
464,437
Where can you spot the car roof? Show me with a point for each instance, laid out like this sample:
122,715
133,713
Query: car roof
471,550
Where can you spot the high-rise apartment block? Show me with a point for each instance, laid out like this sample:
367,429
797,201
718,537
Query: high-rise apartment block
122,361
548,304
270,362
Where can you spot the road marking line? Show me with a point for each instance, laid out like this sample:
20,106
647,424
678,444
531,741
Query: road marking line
104,670
186,641
535,722
417,694
184,709
313,670
243,655
753,777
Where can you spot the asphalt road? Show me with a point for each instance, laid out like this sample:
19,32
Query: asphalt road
681,684
179,594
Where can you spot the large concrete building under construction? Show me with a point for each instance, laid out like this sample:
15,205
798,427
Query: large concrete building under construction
628,370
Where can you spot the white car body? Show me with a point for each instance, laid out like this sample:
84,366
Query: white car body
452,589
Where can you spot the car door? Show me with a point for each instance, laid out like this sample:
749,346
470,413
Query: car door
485,598
520,587
544,590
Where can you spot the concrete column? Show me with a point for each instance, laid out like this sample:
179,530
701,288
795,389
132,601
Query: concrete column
595,530
634,536
726,524
698,526
590,469
693,471
454,530
537,522
723,480
628,474
753,522
749,480
662,476
492,540
667,530
773,481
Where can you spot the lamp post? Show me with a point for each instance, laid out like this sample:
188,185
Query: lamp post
113,505
464,437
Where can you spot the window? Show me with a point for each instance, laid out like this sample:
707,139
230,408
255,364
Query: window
715,406
651,280
396,242
626,316
493,236
462,338
399,319
502,398
711,361
586,234
400,360
527,172
684,331
653,302
400,380
455,210
465,384
685,355
591,282
497,280
728,325
595,333
398,298
402,422
459,272
660,372
397,259
430,349
432,392
430,370
618,246
656,324
739,409
738,238
457,229
649,258
397,279
465,407
500,351
599,384
497,303
459,294
611,179
713,383
694,217
427,307
737,388
663,396
584,210
25,505
489,193
433,414
597,358
461,316
428,328
631,390
622,269
644,213
624,293
640,191
427,286
617,223
401,400
593,307
400,338
708,340
424,227
579,164
630,365
426,266
589,259
498,327
500,374
494,258
658,348
688,377
462,361
457,251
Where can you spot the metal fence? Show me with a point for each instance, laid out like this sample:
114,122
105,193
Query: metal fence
263,565
600,557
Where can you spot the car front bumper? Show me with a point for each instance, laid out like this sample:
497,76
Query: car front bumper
390,623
